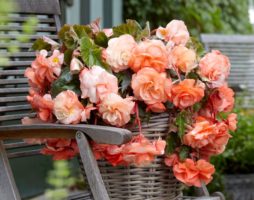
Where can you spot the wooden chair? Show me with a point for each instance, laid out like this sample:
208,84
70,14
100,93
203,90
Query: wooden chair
240,50
13,104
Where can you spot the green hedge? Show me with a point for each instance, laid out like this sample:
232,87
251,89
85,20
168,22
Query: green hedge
201,16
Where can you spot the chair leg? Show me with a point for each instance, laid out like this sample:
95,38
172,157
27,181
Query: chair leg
8,189
91,168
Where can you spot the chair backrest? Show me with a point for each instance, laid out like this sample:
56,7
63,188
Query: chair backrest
240,50
13,84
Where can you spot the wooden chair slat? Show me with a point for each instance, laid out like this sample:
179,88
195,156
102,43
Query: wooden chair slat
8,189
13,81
13,99
26,153
13,90
16,116
24,19
19,28
42,6
20,45
17,145
100,134
17,63
31,37
15,108
219,38
12,72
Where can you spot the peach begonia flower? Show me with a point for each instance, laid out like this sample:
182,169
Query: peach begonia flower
76,65
194,173
176,33
232,121
49,68
171,160
108,31
214,67
149,86
85,115
203,133
115,110
67,108
183,59
217,146
222,99
96,83
139,151
149,53
60,149
119,51
186,93
43,70
42,104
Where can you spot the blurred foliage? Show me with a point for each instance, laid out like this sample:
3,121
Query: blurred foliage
204,16
238,157
60,180
7,7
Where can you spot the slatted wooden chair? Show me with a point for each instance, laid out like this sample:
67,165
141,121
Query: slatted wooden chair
13,105
240,50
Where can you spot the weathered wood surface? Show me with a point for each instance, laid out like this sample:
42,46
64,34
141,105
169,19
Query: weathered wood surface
91,168
39,6
100,134
8,189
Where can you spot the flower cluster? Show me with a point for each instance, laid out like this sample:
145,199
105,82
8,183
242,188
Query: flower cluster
109,76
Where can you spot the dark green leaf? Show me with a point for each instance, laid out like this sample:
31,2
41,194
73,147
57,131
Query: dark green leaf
126,80
101,39
68,56
196,107
184,152
131,27
172,142
63,30
40,44
180,122
66,81
82,30
193,75
91,53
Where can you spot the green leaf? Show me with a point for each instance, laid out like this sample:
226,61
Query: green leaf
63,30
68,56
144,33
172,142
195,44
133,28
66,81
184,152
197,107
101,39
91,53
180,122
40,44
82,30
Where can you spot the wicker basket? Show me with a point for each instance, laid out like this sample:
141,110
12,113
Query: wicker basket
155,182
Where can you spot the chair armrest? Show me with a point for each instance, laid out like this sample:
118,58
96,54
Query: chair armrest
99,134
